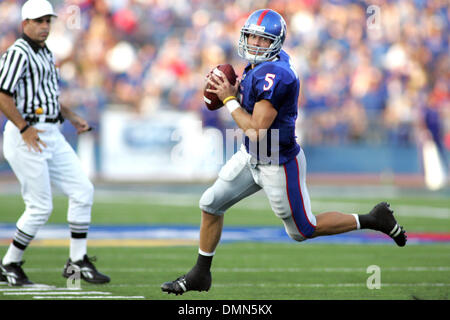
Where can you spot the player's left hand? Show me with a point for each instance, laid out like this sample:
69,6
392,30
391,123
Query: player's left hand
80,124
224,89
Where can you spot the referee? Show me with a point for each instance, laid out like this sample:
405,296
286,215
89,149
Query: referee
36,150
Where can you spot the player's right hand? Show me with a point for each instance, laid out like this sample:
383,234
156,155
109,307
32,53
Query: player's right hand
32,140
223,87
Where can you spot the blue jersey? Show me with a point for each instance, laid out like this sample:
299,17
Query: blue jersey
277,82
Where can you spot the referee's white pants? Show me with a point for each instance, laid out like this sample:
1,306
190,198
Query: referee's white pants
59,165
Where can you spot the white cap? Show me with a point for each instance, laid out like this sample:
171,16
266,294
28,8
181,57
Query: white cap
34,9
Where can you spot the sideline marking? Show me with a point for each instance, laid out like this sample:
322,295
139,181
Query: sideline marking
55,235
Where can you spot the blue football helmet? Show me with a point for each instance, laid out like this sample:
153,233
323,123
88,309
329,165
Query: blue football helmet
265,23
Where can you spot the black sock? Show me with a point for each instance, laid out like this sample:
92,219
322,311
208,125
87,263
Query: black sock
366,221
201,268
199,278
204,262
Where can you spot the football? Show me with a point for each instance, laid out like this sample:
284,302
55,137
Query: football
211,100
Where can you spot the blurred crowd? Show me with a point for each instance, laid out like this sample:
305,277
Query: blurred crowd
371,71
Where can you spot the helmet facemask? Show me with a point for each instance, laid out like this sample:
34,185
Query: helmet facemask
255,54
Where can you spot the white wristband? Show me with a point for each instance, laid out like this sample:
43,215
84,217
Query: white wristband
232,105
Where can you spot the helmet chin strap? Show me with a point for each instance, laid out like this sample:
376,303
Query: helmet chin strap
253,58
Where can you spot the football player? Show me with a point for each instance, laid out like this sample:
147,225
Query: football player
264,105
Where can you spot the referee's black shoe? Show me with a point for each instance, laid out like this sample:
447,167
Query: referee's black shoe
188,282
384,221
14,274
86,270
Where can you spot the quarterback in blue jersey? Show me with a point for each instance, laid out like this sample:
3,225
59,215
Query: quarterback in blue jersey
264,105
276,82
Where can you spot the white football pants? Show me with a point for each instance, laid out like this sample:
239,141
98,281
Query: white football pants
59,165
284,185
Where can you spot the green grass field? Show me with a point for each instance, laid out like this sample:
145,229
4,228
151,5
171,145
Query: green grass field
250,270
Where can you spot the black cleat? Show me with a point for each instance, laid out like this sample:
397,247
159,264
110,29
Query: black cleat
14,274
86,270
385,222
184,284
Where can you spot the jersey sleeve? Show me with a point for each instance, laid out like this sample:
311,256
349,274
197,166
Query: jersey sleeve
272,84
12,66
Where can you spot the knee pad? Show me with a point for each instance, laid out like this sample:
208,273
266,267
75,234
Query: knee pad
234,183
292,230
206,202
296,236
207,198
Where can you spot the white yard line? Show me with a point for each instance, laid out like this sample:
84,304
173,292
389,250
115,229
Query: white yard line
294,269
89,297
24,289
399,210
266,285
287,285
327,285
62,293
257,204
55,293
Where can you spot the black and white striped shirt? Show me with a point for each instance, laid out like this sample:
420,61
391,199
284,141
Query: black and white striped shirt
29,75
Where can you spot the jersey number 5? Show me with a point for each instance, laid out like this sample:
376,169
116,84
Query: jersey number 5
269,78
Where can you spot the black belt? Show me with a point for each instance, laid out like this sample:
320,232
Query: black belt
34,119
